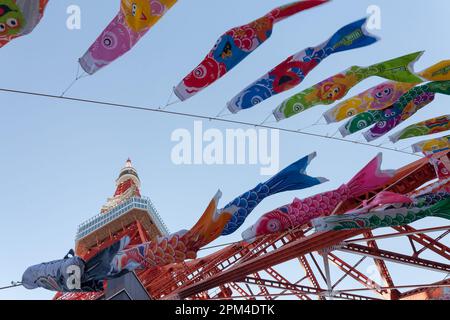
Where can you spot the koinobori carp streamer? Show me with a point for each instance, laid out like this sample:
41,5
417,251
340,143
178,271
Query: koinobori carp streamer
427,127
389,214
432,146
383,95
19,18
134,20
234,46
336,87
300,212
385,120
294,69
293,177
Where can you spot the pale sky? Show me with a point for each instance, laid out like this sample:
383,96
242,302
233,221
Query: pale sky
60,159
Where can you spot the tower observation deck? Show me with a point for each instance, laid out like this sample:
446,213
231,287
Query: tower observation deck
126,210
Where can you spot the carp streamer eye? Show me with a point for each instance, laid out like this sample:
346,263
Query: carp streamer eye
12,22
134,9
273,225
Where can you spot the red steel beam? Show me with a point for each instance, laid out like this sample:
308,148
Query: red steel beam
426,241
304,289
396,257
355,274
288,252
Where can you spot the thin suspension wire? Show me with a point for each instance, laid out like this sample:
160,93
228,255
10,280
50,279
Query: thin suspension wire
13,285
77,77
197,116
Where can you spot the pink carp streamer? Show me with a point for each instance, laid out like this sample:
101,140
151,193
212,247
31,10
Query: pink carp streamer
133,21
300,212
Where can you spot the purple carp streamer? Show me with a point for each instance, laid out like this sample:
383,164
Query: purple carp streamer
387,119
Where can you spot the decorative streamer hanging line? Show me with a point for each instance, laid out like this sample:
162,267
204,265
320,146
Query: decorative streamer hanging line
389,118
427,127
13,285
337,86
134,20
292,71
236,45
384,95
78,76
197,116
19,18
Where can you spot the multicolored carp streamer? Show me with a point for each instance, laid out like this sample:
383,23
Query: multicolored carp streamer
432,146
337,86
19,18
294,69
426,97
383,95
423,128
436,205
300,212
293,177
234,46
387,119
133,21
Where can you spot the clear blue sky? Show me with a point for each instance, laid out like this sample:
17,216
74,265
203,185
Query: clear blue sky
59,160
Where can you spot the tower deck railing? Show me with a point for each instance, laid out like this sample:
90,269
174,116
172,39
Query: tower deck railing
121,209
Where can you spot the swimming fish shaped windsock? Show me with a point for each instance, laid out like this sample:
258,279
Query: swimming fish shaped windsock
432,146
294,69
336,87
430,205
386,125
134,20
427,127
291,178
300,212
69,274
234,46
19,18
384,95
387,119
